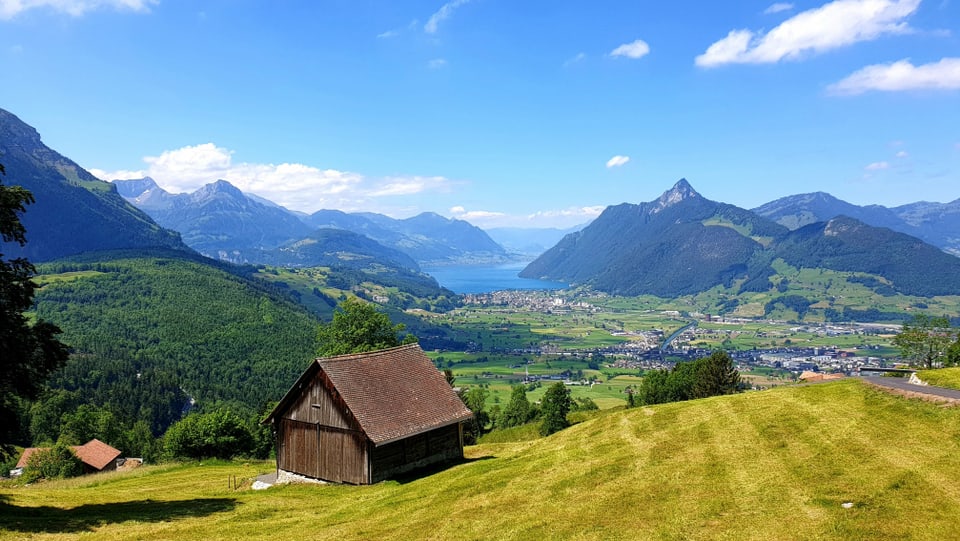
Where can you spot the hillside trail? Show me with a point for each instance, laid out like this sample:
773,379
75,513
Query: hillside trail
903,387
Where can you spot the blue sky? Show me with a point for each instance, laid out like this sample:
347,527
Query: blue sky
504,113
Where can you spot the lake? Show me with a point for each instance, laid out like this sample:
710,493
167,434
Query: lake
487,278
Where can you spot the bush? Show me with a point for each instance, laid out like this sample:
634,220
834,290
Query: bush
58,462
221,434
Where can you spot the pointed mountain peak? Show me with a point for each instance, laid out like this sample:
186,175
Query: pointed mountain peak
681,191
218,187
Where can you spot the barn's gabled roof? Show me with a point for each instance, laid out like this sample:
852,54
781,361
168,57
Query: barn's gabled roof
392,393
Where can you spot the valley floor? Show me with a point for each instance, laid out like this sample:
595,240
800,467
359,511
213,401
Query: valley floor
838,460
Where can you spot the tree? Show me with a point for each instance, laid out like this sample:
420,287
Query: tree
554,409
358,327
925,340
221,434
715,375
517,411
28,353
475,399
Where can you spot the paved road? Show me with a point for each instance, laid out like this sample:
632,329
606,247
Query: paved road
903,385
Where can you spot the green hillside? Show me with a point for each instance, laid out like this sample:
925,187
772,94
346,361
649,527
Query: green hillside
780,464
146,327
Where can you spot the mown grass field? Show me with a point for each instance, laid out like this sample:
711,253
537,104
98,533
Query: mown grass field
943,377
779,464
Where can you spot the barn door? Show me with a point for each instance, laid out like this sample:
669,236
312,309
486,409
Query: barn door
331,455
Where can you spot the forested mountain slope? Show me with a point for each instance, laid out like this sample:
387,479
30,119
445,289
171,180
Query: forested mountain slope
144,326
74,211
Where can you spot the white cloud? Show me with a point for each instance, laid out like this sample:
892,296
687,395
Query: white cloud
899,76
436,63
877,166
635,49
293,185
457,210
76,8
410,186
442,14
579,213
902,154
835,24
778,7
388,34
617,161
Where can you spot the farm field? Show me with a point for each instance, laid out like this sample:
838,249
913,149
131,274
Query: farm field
823,461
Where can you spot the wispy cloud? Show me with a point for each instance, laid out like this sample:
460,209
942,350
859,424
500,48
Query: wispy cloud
75,8
436,63
902,154
442,14
778,7
634,49
575,59
397,31
901,76
617,161
545,218
293,185
833,25
877,166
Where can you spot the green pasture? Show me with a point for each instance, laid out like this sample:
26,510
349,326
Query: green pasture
838,460
943,377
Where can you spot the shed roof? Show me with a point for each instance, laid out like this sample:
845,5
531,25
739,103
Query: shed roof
392,393
94,453
97,454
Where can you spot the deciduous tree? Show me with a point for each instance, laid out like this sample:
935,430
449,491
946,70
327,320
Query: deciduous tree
554,409
925,340
358,327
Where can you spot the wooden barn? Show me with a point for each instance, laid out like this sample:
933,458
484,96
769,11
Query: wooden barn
366,417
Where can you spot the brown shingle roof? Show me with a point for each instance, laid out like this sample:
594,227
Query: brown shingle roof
392,394
96,454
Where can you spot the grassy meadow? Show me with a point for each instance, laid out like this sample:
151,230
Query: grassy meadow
832,461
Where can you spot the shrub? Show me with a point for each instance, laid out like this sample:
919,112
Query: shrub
58,462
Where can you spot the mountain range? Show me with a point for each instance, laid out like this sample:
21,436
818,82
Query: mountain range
683,243
220,221
935,223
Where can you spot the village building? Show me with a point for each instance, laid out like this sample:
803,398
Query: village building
366,417
95,455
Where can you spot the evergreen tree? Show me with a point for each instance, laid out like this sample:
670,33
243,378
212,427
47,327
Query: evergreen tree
715,375
554,409
28,353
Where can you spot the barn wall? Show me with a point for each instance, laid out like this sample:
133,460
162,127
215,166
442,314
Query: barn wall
317,405
440,445
330,454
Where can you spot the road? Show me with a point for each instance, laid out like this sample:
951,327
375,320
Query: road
903,385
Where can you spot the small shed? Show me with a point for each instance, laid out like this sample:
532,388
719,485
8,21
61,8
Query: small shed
366,417
95,455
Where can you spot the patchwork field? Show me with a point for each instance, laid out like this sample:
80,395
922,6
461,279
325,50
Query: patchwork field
830,461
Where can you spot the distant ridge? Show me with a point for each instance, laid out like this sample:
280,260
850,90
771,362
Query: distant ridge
936,223
682,243
74,212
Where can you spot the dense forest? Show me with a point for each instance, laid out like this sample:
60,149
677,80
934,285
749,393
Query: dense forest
152,331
